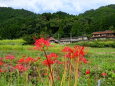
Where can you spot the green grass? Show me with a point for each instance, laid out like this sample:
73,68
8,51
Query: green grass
12,42
100,60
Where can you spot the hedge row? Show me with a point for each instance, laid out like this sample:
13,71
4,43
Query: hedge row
97,43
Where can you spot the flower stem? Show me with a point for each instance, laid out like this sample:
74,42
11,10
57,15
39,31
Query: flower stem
26,78
18,77
49,66
89,81
76,72
64,74
70,72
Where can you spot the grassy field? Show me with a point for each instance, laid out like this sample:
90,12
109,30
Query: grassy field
100,60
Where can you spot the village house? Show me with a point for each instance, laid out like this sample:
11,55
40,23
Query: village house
52,40
73,39
108,34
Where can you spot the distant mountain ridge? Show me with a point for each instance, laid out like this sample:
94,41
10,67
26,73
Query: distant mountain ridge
16,23
8,13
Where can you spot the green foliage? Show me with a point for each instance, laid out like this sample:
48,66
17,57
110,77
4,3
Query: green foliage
97,43
30,39
15,23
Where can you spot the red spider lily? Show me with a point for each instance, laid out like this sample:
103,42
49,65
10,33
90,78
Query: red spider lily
45,74
87,72
1,58
51,59
20,68
27,60
38,58
67,49
70,55
77,51
48,62
41,43
22,60
1,63
84,60
58,62
104,74
10,57
50,56
1,71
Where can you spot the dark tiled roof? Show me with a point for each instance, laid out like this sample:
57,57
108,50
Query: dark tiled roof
107,31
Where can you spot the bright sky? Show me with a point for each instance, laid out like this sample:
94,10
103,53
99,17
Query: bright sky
68,6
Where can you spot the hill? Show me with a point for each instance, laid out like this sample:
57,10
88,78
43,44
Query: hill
7,13
16,23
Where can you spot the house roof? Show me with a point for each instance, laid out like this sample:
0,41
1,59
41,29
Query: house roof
51,38
106,31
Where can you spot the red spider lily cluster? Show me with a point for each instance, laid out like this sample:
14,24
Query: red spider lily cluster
1,63
21,64
10,57
48,62
75,52
21,67
28,60
51,59
41,43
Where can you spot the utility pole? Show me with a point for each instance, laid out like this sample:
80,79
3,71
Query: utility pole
58,36
70,37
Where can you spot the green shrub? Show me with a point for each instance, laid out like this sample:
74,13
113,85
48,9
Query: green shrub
30,39
97,43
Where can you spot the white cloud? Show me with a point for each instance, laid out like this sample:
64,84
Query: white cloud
69,6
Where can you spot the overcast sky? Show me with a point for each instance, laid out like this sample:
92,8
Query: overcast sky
69,6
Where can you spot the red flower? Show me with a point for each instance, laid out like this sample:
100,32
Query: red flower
28,60
1,58
22,60
1,71
48,62
67,49
50,56
51,59
41,43
104,74
75,52
87,72
20,67
58,62
10,57
79,51
45,74
1,63
84,60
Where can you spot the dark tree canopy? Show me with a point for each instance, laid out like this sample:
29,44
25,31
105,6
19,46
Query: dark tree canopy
16,23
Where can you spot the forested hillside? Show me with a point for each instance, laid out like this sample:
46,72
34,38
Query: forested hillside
17,23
